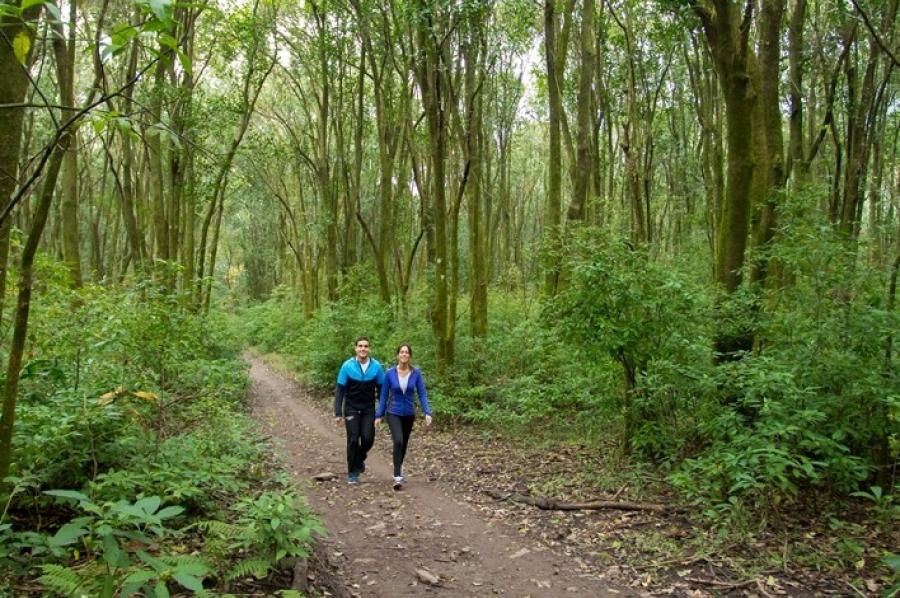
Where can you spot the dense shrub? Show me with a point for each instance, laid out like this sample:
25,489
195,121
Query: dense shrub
625,350
130,422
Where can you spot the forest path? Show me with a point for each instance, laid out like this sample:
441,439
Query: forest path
379,538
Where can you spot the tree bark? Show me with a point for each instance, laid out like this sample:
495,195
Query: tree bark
727,33
12,91
23,305
64,53
553,206
583,162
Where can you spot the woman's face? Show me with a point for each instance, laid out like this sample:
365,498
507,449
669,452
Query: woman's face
403,355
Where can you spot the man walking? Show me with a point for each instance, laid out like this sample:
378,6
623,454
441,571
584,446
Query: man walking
358,387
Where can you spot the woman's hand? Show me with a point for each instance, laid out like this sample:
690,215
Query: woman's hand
377,421
427,420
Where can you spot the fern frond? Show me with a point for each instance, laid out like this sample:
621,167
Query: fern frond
221,529
61,580
258,567
184,559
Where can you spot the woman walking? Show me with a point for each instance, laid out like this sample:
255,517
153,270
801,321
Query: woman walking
397,400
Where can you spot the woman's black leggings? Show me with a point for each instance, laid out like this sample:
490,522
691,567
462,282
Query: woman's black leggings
401,427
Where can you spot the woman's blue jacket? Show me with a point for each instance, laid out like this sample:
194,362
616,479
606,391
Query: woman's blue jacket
395,401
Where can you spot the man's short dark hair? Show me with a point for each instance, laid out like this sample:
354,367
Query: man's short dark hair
361,338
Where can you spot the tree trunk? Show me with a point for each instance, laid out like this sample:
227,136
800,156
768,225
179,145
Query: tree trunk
727,34
473,52
12,91
583,162
64,52
431,85
23,306
553,206
770,127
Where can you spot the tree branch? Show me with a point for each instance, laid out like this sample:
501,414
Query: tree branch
874,33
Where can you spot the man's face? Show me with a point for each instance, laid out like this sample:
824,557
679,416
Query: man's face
362,350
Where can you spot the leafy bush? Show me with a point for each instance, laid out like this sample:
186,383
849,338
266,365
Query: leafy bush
618,306
128,403
267,528
815,405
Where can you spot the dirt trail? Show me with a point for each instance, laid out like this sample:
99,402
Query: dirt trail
379,538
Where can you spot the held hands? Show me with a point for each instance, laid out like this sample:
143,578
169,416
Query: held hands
377,421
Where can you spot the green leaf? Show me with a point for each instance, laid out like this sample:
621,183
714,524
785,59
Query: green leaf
111,551
168,41
185,61
169,512
196,569
21,46
68,494
162,591
160,8
99,124
132,510
148,504
154,562
135,581
68,534
26,4
892,561
189,581
10,10
53,9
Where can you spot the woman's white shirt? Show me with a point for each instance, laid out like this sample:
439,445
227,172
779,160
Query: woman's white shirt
404,379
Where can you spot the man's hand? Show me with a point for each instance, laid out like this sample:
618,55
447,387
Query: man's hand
427,420
377,421
337,420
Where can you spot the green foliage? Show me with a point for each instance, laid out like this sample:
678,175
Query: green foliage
128,404
275,526
115,537
893,561
62,580
618,306
815,405
886,512
268,528
320,344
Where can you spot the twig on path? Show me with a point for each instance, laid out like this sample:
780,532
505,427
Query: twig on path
855,589
761,587
551,504
725,585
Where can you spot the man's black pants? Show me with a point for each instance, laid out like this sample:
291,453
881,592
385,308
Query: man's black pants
360,438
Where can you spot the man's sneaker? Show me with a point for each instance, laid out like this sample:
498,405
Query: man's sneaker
399,480
353,479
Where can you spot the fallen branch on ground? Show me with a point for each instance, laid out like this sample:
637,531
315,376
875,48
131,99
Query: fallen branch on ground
724,585
551,504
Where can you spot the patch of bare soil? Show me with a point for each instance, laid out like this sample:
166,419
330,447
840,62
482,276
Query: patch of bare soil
463,525
657,546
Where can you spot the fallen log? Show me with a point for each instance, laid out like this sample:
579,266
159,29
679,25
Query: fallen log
551,504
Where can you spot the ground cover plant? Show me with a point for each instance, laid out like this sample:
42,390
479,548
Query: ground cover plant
136,467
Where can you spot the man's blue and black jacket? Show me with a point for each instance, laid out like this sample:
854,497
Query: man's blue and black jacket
358,389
